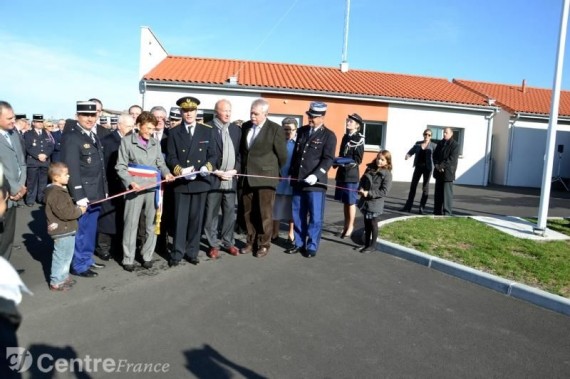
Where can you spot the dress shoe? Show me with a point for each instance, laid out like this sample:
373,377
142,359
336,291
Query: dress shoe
214,253
311,253
104,257
232,250
367,249
147,264
295,250
70,281
262,252
194,261
129,268
96,266
173,263
87,274
345,233
246,249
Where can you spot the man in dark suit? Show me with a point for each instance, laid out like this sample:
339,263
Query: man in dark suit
222,195
56,133
39,147
189,149
83,154
445,158
110,223
14,165
263,153
312,158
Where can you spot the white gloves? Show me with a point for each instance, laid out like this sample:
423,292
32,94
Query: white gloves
186,171
83,202
311,179
204,171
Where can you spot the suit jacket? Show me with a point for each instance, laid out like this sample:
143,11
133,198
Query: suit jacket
14,163
111,216
37,144
235,136
85,161
445,159
101,131
56,155
313,155
184,150
266,156
351,146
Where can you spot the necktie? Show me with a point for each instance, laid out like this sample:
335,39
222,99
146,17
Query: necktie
253,134
8,139
92,135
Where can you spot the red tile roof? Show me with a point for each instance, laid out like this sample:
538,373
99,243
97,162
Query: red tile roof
282,76
512,97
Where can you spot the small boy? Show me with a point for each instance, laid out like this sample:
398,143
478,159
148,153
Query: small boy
62,215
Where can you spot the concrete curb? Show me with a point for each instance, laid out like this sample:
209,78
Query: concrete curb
508,287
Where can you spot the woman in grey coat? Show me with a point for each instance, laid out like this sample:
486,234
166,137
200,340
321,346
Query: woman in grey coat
140,164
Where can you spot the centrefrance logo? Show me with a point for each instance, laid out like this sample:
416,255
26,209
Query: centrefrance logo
21,360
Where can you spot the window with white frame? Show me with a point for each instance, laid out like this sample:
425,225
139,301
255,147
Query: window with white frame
374,132
437,135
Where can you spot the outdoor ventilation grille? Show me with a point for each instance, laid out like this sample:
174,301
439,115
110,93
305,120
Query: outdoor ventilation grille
232,80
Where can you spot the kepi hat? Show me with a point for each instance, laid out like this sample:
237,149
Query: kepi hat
317,109
188,103
38,118
356,117
175,114
103,120
87,107
114,120
200,114
21,116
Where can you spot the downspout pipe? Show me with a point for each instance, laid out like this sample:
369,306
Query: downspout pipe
487,165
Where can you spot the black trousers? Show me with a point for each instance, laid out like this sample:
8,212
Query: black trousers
36,182
188,229
419,172
443,198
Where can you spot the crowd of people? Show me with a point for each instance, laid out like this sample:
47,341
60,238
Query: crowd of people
156,181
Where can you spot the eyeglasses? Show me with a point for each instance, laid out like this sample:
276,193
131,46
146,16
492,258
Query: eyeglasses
289,130
427,134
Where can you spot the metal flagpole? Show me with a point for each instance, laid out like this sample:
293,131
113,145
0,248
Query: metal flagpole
552,126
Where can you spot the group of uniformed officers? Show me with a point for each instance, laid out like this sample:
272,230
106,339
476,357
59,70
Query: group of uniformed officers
210,168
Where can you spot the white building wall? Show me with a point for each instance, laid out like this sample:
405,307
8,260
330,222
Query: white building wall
500,148
406,124
167,97
528,148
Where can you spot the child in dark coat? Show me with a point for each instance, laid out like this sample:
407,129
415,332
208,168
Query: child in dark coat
373,188
62,215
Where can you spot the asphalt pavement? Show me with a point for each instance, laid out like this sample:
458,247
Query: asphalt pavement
339,315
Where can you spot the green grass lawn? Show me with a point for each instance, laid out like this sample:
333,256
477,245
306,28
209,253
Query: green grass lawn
544,265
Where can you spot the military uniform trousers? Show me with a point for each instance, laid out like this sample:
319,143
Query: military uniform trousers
226,200
85,239
308,214
189,216
135,203
36,181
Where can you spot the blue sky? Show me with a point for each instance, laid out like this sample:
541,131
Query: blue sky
54,53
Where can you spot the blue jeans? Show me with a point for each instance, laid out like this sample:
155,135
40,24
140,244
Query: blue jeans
62,254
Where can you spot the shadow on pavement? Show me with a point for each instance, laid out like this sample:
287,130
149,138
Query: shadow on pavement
207,362
51,355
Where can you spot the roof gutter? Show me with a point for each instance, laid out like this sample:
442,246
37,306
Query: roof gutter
334,95
534,116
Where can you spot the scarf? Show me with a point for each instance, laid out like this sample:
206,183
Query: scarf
228,153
